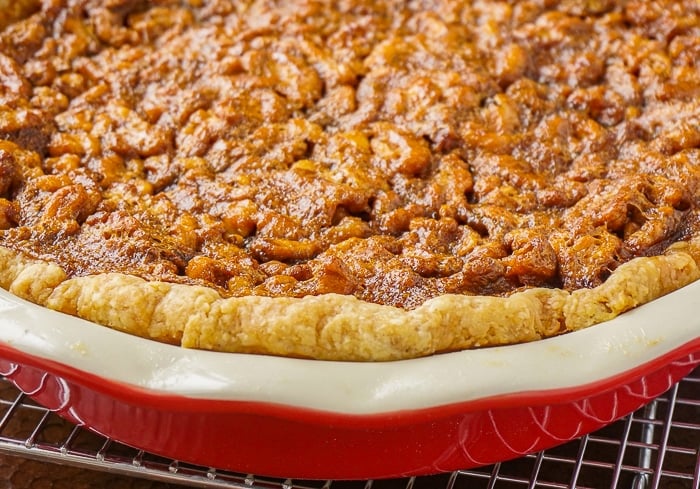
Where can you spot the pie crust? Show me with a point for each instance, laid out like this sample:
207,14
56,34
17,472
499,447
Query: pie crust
214,175
337,327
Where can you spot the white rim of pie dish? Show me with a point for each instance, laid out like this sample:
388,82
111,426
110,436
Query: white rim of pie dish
571,360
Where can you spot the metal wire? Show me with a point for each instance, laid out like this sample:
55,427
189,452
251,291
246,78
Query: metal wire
656,447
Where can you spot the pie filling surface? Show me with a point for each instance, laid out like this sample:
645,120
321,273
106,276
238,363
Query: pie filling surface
426,175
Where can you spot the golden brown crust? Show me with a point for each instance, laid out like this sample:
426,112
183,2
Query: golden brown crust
337,327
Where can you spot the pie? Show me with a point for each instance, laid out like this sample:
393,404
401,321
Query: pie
348,180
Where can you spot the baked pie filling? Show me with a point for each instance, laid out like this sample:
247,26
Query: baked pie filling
360,180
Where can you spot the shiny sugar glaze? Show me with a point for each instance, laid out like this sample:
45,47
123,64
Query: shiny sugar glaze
391,150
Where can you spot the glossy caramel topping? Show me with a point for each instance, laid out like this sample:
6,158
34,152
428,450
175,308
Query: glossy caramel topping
388,149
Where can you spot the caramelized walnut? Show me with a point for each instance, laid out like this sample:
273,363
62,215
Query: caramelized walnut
393,151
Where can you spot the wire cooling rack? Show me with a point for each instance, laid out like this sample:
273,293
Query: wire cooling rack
656,447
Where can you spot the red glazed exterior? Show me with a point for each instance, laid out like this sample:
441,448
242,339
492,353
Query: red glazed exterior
290,442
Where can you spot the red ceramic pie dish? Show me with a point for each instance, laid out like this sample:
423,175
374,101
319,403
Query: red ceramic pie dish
309,419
